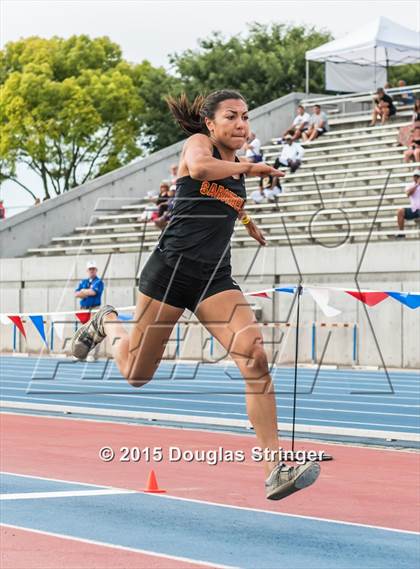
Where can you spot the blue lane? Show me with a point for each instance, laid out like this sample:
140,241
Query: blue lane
14,484
232,536
211,393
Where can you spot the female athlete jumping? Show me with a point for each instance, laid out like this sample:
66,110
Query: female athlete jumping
190,268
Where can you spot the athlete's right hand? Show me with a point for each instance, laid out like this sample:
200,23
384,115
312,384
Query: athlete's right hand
261,169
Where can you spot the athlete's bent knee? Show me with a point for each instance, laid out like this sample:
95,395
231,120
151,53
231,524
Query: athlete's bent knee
258,362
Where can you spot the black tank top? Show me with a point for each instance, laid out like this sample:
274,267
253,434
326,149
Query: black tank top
198,234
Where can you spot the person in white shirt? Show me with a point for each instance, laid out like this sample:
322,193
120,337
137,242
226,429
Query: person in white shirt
412,212
270,187
258,196
253,149
291,155
299,125
318,124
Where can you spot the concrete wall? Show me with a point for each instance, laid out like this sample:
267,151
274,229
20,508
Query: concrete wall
47,284
36,227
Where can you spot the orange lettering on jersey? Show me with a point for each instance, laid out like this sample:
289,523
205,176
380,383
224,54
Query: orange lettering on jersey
222,194
204,189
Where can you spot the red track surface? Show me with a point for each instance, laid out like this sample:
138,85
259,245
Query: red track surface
361,485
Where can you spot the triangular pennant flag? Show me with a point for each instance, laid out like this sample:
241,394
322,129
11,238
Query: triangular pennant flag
290,289
125,317
262,294
18,323
59,321
83,317
369,298
321,297
407,298
38,322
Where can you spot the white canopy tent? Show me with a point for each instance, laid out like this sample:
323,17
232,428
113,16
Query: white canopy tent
380,43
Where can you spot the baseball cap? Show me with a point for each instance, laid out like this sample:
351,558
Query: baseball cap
416,173
91,265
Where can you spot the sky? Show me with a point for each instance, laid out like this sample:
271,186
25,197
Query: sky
152,29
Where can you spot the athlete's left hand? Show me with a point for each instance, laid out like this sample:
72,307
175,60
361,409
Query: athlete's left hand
255,232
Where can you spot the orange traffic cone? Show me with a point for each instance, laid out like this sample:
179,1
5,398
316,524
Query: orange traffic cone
152,485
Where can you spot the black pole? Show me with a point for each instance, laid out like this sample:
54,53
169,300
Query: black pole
299,292
325,456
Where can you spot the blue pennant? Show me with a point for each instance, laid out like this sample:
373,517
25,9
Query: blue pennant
38,322
410,300
125,316
290,289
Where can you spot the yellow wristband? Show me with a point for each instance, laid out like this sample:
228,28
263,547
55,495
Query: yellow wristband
246,219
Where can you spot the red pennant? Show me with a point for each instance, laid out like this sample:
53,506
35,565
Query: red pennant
18,323
263,294
369,298
83,317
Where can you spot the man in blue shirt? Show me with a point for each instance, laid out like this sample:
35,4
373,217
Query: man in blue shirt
90,290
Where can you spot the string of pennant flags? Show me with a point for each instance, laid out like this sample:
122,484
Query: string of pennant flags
320,295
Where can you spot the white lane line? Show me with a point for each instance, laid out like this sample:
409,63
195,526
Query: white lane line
283,514
49,362
231,404
269,512
175,411
61,494
238,383
217,420
239,389
101,403
277,373
121,547
56,389
60,480
245,508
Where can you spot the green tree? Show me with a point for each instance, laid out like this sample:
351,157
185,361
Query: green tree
410,74
69,109
158,129
268,63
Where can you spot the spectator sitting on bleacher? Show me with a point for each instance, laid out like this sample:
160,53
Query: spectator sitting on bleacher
383,107
253,148
291,154
162,200
412,212
405,96
270,187
299,125
167,208
174,173
416,111
413,151
318,124
150,208
258,195
409,133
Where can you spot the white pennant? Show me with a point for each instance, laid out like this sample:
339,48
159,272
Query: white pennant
59,324
322,297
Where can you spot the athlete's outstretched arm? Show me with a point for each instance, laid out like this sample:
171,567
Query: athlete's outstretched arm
252,228
198,156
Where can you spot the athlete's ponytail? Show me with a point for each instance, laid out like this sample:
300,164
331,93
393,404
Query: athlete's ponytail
190,116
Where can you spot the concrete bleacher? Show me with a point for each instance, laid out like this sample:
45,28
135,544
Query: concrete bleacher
337,194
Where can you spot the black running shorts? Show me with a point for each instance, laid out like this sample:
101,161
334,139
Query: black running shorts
170,285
